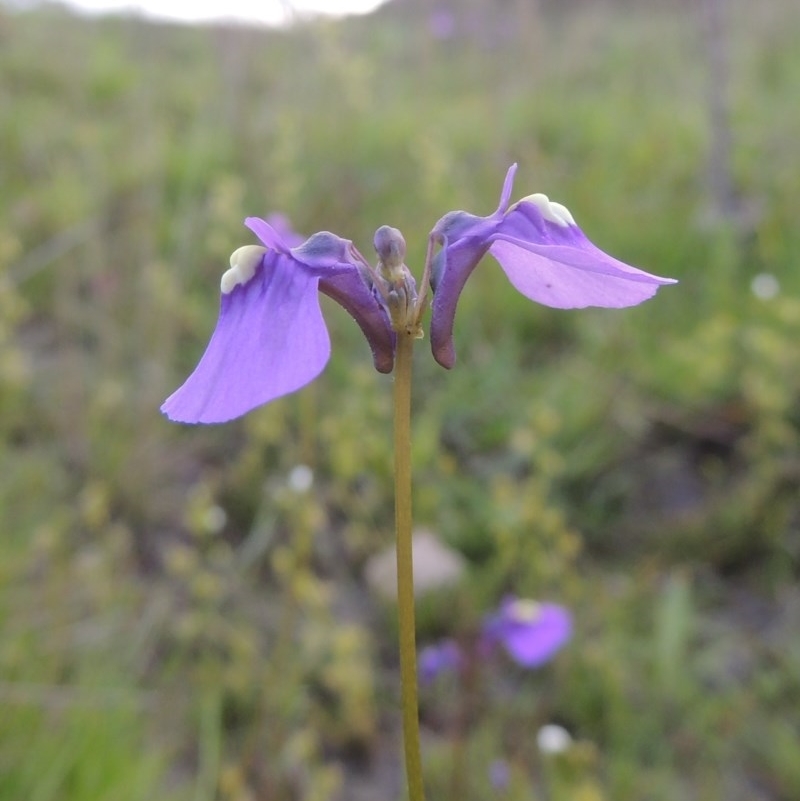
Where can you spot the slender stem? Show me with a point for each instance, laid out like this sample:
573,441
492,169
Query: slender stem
405,567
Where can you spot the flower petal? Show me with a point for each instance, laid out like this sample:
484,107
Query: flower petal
282,226
555,264
351,291
533,644
270,340
505,193
542,251
530,632
342,279
267,234
464,238
453,265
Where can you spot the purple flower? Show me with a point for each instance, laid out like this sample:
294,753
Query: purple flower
530,632
271,338
542,252
442,657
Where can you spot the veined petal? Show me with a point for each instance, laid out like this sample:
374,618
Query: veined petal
552,262
562,282
270,340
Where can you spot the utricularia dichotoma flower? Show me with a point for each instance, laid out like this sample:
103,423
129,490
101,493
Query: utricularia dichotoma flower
529,633
271,338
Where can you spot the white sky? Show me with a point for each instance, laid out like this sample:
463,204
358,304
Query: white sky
271,12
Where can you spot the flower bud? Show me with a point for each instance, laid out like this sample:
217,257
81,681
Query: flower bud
391,249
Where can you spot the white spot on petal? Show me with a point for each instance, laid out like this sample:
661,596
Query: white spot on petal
551,211
243,267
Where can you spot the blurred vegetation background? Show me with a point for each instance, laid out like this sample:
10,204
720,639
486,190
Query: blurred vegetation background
183,611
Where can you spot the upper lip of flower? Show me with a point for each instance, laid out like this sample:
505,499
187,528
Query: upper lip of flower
544,254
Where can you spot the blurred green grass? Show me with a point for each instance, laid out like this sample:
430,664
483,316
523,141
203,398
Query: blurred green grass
176,621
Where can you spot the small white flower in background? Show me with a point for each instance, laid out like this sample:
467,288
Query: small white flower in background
300,479
553,739
765,286
214,519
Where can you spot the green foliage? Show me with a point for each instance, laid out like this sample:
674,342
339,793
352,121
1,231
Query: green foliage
183,616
